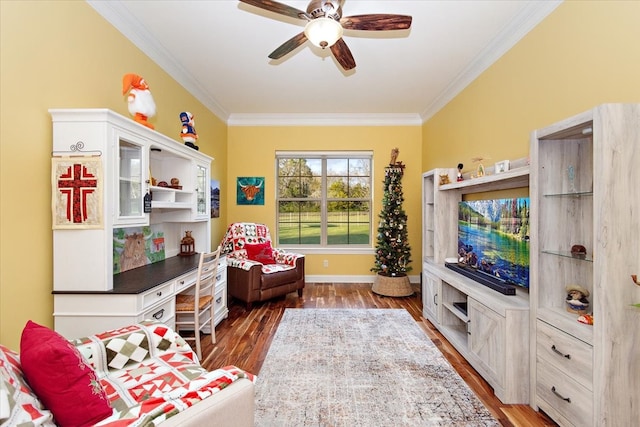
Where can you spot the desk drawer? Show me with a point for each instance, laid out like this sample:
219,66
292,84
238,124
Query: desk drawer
186,281
565,353
562,398
157,294
162,312
219,301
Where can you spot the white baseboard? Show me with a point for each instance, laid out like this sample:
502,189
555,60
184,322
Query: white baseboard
322,278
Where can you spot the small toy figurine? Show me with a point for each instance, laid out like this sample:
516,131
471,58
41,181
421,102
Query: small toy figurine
587,319
141,103
188,133
444,179
460,178
576,300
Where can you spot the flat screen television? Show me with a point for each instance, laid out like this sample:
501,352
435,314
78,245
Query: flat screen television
493,238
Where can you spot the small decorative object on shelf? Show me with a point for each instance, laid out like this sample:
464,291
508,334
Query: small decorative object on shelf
502,166
480,165
460,177
188,132
587,319
187,244
444,179
175,183
578,251
576,300
141,103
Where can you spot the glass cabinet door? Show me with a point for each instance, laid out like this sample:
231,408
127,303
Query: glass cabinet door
131,189
201,191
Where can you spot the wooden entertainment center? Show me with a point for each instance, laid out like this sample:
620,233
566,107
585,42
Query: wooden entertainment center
493,333
583,187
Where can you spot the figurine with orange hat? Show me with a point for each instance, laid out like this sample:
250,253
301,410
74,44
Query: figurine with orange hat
141,103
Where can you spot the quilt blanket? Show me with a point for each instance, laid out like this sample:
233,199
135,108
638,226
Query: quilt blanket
242,233
150,373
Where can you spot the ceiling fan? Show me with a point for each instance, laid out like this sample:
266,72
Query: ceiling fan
325,25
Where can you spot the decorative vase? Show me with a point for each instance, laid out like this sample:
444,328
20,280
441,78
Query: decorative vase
392,286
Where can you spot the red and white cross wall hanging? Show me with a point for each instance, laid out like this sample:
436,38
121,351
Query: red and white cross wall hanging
77,192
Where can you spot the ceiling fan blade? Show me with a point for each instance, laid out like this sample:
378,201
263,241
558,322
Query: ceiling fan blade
288,46
277,7
376,22
343,55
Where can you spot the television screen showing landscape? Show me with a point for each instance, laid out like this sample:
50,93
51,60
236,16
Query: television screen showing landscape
493,237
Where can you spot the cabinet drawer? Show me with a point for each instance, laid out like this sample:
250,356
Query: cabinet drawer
563,398
186,281
162,313
219,302
157,294
566,353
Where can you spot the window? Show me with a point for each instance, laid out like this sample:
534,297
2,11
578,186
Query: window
324,199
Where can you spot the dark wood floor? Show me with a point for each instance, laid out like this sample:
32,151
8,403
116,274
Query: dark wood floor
243,339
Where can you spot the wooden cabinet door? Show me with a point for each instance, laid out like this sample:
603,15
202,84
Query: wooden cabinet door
486,339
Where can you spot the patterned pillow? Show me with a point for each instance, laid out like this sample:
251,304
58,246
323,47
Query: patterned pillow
18,404
61,378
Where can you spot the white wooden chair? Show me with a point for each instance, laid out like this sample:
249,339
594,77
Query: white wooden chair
195,309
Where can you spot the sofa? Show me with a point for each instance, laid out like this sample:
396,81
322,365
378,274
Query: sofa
256,271
140,375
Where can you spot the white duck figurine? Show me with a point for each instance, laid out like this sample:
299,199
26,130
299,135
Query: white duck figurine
141,103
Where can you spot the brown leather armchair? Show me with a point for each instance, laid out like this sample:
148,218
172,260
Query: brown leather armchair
255,270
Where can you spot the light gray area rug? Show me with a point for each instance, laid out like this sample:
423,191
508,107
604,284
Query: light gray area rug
360,367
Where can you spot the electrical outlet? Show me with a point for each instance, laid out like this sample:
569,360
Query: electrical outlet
325,263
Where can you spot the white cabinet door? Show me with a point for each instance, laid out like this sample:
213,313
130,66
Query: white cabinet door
431,297
486,339
131,174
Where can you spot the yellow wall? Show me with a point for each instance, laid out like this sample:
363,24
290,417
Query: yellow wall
584,54
62,54
255,148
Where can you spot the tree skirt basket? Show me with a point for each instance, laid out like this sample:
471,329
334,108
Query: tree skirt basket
398,286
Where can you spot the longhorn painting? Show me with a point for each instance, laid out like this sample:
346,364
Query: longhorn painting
250,190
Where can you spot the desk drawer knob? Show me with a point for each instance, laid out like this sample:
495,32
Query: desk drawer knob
159,293
219,300
158,314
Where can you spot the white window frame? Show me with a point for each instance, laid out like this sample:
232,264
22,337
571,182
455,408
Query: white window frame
323,247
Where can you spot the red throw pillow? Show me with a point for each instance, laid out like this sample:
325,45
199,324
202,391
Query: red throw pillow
62,379
261,252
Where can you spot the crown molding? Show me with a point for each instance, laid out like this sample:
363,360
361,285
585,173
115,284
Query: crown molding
325,119
117,15
517,28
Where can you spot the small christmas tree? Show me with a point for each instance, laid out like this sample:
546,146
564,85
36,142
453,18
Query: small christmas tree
393,253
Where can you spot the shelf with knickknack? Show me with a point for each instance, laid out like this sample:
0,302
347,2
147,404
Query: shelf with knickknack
584,248
489,330
129,267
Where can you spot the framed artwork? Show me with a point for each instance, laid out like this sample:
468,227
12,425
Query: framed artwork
137,246
250,190
502,166
76,192
215,198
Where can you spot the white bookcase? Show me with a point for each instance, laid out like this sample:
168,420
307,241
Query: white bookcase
88,296
585,189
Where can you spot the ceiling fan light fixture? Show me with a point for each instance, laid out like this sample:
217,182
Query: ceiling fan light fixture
323,32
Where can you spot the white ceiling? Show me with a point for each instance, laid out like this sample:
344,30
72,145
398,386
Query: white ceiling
218,50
